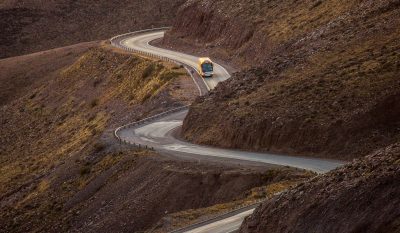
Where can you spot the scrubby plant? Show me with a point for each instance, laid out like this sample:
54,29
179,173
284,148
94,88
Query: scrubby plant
84,170
94,103
148,70
99,146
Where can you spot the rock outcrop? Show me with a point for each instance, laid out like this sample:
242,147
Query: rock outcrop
324,77
361,197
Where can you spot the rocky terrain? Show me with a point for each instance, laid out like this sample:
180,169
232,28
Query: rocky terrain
318,78
55,130
360,197
61,168
322,77
30,26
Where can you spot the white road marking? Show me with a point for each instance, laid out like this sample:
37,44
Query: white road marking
157,133
141,43
225,225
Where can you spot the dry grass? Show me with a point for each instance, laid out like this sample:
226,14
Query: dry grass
333,84
323,81
63,118
184,218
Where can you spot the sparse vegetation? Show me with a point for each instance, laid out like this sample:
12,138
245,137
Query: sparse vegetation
94,103
62,116
148,70
98,147
180,219
30,26
325,84
177,67
85,170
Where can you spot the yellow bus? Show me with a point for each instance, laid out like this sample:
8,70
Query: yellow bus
206,67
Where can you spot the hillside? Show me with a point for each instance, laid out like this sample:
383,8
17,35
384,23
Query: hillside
322,76
57,133
31,26
62,170
361,197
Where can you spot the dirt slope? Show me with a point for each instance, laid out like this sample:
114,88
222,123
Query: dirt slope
63,115
20,74
62,170
30,26
361,197
78,101
324,79
141,198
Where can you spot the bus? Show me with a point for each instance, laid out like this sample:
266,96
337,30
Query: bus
206,67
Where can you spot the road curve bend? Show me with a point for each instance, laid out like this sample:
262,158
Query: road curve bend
141,42
159,132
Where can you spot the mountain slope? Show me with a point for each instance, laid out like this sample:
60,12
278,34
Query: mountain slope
361,197
61,168
30,26
56,134
323,79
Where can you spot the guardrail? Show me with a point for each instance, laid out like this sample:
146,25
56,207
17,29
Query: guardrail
227,214
144,121
116,41
129,34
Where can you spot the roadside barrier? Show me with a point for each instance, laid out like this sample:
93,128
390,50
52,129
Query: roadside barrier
226,214
144,121
116,42
237,210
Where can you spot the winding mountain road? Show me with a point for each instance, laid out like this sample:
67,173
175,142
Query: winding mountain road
141,42
159,133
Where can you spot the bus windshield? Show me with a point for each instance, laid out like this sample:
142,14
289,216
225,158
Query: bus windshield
207,67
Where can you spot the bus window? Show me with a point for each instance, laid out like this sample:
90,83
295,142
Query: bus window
206,67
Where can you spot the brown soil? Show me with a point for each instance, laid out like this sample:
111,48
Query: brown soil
20,74
61,169
361,197
64,109
326,82
30,26
139,198
188,217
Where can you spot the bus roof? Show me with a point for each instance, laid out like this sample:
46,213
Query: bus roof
205,60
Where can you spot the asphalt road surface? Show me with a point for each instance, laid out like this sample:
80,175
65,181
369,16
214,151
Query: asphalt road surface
227,225
141,42
159,134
